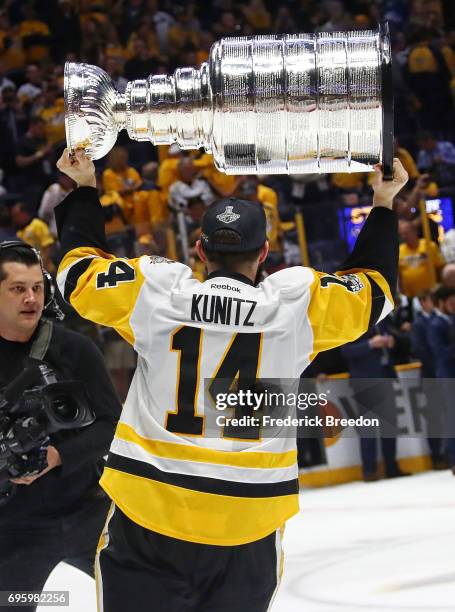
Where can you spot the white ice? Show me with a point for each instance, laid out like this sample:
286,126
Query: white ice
382,546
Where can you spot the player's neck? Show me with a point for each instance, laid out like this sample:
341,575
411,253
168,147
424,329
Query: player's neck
247,271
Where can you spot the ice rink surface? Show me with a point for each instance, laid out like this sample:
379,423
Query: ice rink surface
381,546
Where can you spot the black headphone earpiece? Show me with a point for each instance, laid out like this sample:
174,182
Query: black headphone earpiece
49,286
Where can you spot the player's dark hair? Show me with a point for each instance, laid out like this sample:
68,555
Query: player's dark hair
230,261
17,254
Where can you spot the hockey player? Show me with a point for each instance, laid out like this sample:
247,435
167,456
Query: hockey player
197,517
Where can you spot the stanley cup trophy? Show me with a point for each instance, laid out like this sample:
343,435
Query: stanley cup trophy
287,104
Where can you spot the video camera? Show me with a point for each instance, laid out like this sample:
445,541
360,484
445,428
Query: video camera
33,406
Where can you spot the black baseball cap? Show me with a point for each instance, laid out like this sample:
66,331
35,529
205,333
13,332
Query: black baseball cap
244,217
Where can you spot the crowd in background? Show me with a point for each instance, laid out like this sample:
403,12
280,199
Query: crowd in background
144,188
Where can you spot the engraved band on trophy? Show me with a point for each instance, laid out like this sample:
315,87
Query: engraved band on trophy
287,104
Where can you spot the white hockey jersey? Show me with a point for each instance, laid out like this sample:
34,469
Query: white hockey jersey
163,471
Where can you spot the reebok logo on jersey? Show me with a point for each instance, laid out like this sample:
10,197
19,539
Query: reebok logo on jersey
222,309
225,287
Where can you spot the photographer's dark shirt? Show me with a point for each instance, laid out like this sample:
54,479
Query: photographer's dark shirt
65,489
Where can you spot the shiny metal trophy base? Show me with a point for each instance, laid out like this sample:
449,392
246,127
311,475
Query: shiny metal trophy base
287,104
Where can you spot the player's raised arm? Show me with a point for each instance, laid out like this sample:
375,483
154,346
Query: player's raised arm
345,304
100,286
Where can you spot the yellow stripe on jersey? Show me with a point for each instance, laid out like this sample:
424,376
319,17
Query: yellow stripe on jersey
101,287
194,516
184,452
340,310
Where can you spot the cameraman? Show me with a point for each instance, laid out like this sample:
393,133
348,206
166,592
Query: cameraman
57,514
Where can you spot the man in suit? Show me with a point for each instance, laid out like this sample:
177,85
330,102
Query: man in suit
421,348
372,357
442,343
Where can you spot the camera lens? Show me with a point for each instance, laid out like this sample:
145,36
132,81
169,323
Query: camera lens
65,409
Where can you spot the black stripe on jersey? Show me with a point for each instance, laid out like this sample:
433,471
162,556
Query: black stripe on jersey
73,276
377,301
201,483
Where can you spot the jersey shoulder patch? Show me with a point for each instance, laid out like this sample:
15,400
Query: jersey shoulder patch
351,282
163,274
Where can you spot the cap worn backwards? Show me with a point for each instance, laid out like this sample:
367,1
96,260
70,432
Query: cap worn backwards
244,217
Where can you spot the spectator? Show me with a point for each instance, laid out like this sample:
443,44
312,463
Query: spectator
146,33
338,19
113,46
415,262
442,343
113,68
437,158
407,205
34,232
407,160
13,55
66,29
162,21
53,195
7,231
189,185
372,357
123,179
257,15
91,50
224,185
228,25
184,32
53,113
4,80
205,44
34,160
441,337
421,348
141,63
448,275
284,21
132,13
35,35
13,125
33,86
352,182
157,209
429,79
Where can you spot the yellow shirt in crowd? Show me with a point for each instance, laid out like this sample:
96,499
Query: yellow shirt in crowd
36,234
118,181
116,224
269,200
54,116
414,270
36,52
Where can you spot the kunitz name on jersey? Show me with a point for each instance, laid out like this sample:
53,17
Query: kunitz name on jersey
222,309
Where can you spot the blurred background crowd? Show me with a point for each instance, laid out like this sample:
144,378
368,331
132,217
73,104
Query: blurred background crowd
312,219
